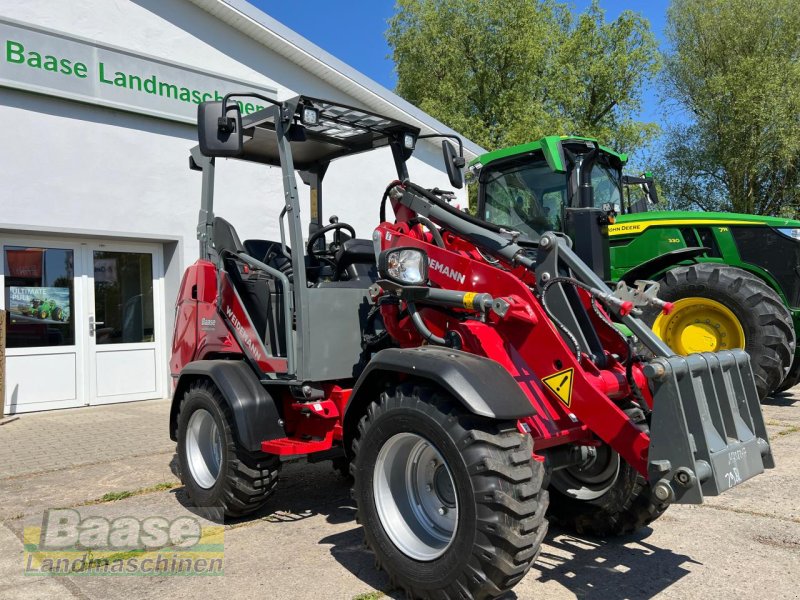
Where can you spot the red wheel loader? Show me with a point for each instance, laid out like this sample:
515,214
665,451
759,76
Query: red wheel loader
465,376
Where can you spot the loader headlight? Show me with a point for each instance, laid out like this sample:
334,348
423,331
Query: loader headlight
406,266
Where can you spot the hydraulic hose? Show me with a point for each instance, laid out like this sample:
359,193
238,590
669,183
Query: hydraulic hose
426,333
437,237
389,188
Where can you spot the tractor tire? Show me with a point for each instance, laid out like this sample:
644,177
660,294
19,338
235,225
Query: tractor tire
793,378
451,503
608,498
716,298
219,476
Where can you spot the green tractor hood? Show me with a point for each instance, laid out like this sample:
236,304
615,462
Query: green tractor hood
638,222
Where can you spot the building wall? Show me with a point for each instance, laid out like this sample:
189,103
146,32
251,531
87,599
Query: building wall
129,172
83,171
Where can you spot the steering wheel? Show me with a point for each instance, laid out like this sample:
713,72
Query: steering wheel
334,226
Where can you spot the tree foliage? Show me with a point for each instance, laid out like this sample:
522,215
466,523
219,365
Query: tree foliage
734,70
505,72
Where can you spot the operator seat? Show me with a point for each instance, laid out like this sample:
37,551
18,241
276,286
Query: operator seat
271,254
261,295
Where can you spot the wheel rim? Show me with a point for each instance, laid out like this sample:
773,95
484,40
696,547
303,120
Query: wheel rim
203,448
415,497
700,325
592,481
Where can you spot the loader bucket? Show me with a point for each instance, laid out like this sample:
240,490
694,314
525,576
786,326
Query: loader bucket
707,431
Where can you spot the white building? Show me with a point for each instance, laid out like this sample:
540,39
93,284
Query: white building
99,208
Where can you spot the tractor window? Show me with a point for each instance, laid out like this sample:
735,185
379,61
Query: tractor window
525,197
605,182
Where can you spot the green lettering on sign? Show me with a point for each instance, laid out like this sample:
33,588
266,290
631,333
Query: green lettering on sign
14,52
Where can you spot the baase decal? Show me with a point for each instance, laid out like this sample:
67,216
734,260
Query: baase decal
41,303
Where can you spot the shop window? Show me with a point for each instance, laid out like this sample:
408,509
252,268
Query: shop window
123,297
39,296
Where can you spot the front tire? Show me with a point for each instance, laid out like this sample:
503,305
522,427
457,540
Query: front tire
717,299
217,474
451,503
606,498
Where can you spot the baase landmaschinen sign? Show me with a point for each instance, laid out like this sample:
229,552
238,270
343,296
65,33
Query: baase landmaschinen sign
43,61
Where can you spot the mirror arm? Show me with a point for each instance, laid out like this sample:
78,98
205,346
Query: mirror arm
451,136
225,122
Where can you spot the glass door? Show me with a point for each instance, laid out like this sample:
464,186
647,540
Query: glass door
125,331
42,292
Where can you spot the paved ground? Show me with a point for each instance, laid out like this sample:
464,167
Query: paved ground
305,544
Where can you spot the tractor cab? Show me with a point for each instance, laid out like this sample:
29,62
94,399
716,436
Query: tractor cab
566,184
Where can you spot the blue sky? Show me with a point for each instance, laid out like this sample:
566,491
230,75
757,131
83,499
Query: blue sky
354,33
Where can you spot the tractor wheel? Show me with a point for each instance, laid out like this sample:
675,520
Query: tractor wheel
217,474
451,503
719,307
793,378
606,498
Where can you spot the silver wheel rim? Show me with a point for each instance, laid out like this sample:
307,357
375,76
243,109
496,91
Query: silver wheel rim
591,482
203,448
415,497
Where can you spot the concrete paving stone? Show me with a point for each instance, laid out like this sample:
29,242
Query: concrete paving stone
31,494
774,492
55,439
783,408
36,588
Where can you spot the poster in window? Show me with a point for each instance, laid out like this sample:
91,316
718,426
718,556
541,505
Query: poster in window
25,263
48,304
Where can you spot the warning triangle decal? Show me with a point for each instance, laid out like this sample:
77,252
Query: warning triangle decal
560,384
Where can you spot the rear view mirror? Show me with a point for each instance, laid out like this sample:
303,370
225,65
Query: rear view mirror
218,134
453,163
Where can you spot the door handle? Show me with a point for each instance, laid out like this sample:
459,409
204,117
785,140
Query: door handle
93,325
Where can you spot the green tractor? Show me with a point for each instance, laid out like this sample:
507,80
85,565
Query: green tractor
733,279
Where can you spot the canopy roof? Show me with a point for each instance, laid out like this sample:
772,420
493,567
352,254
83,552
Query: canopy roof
340,131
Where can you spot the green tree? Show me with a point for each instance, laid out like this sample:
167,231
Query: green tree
505,72
734,76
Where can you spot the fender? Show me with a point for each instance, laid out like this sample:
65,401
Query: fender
483,386
646,269
255,415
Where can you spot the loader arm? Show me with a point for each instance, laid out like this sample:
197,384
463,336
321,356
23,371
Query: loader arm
705,423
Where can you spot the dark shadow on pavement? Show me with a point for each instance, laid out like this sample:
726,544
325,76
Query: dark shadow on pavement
595,569
780,399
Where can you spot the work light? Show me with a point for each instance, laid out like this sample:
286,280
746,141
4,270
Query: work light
406,266
310,115
409,141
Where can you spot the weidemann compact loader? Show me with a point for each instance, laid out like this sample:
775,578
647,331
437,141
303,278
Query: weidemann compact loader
465,377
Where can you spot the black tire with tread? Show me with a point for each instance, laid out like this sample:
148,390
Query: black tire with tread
501,504
625,508
793,378
767,323
247,478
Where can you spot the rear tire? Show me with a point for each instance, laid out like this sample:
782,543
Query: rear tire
217,474
416,448
767,324
793,378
